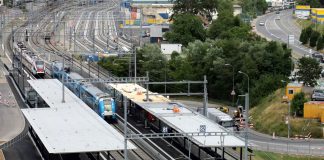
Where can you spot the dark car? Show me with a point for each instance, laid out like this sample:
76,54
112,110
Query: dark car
318,95
277,12
319,57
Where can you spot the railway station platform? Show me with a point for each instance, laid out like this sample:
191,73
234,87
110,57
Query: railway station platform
161,115
12,121
69,127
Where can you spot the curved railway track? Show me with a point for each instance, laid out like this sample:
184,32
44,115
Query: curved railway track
37,41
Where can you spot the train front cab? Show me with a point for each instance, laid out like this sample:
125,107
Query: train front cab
107,109
40,68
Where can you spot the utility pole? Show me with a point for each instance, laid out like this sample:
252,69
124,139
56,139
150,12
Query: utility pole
165,77
205,97
63,94
93,41
70,39
288,119
147,87
135,62
74,48
108,39
125,127
246,124
130,67
141,27
89,68
63,38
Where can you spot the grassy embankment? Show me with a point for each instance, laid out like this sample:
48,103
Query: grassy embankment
269,117
259,155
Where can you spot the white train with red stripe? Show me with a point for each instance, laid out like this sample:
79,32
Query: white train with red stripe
29,59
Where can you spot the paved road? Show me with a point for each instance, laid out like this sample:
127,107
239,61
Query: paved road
278,30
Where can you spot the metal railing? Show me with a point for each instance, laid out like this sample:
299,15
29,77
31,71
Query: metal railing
305,147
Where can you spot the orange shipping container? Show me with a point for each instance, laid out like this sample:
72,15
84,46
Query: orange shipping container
292,89
322,117
313,109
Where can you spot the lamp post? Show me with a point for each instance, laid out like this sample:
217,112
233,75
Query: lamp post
233,92
135,63
165,67
288,118
246,115
165,75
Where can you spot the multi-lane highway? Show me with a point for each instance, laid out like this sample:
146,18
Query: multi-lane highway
278,29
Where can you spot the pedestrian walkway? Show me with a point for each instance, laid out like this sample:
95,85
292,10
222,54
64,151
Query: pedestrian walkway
1,155
12,121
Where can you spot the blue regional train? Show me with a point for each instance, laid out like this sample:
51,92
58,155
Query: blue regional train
102,103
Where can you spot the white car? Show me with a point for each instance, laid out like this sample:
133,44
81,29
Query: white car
261,23
278,18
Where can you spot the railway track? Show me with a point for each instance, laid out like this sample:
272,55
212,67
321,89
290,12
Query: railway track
36,40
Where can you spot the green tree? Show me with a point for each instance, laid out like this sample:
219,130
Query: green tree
320,43
225,6
309,70
312,3
228,26
313,38
186,28
195,7
297,103
266,84
265,63
117,66
303,37
151,59
262,6
236,32
252,7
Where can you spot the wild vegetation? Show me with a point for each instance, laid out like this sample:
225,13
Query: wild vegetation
269,117
312,3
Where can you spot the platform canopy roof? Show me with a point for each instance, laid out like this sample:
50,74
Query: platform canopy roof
70,127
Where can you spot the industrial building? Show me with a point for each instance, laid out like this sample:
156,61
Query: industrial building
317,15
153,12
302,11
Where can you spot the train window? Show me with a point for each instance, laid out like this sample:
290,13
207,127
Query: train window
107,104
87,95
39,63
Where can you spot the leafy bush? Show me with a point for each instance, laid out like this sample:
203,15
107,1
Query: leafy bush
313,38
303,37
297,104
320,43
